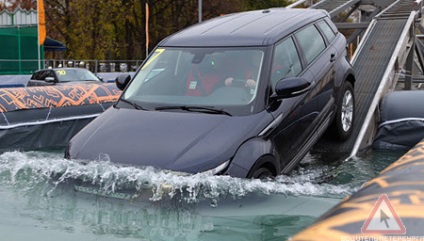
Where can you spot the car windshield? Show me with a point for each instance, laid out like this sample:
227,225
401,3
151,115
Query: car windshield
222,78
70,75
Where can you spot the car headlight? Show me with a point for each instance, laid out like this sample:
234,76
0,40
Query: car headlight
219,168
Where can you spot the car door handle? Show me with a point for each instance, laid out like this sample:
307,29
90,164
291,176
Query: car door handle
332,58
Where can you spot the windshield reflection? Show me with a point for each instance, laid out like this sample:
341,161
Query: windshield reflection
69,75
224,78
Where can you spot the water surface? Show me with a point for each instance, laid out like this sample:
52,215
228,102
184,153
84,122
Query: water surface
40,201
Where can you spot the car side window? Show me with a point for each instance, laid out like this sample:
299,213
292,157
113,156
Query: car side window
42,75
326,30
311,42
35,76
51,74
286,61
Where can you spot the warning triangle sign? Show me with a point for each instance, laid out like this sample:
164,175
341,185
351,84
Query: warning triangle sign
383,219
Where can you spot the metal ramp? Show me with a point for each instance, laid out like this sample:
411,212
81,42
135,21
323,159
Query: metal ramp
382,52
375,70
335,7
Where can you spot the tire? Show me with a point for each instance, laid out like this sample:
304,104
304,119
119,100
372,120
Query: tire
261,173
343,122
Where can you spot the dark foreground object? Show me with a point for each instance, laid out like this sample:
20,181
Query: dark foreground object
402,120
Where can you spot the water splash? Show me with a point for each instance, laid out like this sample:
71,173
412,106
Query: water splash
31,169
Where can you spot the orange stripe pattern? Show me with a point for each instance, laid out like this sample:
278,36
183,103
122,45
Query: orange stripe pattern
12,99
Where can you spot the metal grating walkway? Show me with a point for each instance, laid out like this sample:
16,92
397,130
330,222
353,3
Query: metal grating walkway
371,64
334,7
400,9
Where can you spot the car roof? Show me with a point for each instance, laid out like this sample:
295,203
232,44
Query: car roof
66,68
252,28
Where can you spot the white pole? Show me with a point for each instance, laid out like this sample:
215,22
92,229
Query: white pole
147,27
38,37
200,11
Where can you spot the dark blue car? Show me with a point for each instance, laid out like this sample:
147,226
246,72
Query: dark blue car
246,94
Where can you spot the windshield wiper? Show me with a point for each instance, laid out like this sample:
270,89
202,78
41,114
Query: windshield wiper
133,104
202,109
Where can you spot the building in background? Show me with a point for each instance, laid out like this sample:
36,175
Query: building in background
21,50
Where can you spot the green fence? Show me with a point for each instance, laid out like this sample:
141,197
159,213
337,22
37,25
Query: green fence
19,50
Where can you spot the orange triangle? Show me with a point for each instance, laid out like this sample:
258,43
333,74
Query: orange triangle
383,219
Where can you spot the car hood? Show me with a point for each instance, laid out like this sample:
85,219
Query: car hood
178,141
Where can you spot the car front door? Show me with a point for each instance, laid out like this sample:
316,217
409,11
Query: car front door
289,135
305,113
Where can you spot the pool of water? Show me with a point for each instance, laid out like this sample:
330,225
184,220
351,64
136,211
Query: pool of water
40,199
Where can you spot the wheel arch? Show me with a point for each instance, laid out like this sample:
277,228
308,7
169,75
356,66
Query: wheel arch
248,155
344,72
350,77
267,161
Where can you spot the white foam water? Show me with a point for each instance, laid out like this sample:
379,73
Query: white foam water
32,168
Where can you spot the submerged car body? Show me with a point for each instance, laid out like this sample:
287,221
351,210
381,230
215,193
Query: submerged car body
59,76
246,95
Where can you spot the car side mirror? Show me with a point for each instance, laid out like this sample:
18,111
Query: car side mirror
50,80
122,81
291,87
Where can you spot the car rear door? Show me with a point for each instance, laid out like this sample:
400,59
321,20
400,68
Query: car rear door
320,58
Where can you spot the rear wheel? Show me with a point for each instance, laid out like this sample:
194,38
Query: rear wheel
344,119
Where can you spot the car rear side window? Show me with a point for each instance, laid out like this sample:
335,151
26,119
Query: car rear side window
326,30
286,61
311,42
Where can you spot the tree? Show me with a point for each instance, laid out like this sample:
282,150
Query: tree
116,29
14,4
263,4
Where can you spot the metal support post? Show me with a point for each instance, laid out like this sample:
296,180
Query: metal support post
409,64
200,10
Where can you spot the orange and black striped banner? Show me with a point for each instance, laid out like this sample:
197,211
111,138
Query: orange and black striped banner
12,99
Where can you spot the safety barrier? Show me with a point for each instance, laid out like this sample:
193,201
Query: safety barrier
44,117
57,96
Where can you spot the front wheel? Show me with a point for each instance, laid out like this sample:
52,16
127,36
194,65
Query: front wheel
261,173
345,113
263,169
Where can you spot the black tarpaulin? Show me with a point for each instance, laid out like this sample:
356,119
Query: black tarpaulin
402,134
45,127
401,120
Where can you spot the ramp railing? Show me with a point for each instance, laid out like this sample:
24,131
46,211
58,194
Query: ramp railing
398,58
